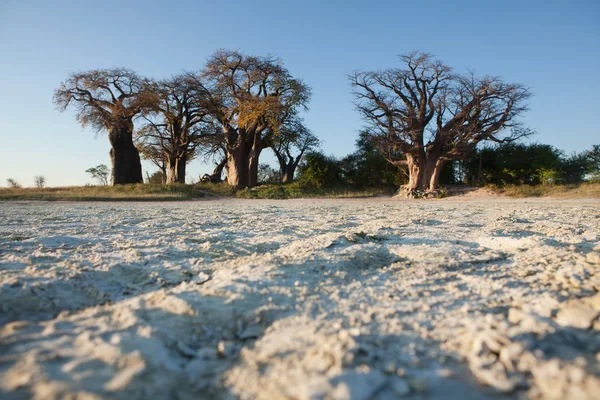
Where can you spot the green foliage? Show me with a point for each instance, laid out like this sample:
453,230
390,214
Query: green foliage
267,174
593,163
157,178
451,173
574,168
523,164
368,168
297,189
320,171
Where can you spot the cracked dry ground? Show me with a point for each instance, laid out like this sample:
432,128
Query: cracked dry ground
311,299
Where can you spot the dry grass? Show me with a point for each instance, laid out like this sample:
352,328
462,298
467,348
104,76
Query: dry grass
137,192
579,191
152,192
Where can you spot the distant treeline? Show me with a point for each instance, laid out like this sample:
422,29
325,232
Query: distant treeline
503,164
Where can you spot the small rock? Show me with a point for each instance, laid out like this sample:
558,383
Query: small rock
593,258
201,278
515,315
226,349
390,368
577,316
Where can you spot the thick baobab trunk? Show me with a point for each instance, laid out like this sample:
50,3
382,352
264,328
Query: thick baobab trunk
181,165
253,156
237,167
424,172
171,170
434,180
176,169
288,174
124,156
253,168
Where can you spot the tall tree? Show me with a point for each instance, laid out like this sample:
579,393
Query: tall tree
250,97
109,99
293,137
176,124
432,115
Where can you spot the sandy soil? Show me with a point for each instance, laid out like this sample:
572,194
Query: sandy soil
309,299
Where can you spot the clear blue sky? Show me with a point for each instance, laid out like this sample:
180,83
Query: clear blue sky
551,46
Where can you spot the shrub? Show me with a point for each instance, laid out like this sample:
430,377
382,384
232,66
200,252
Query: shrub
319,171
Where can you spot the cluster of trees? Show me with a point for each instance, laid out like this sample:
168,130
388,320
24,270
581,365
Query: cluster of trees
424,126
230,111
367,167
533,164
500,164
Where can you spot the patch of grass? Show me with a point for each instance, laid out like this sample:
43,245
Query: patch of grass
133,192
296,190
155,192
573,191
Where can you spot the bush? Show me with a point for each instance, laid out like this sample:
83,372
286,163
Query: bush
320,171
157,178
267,174
514,164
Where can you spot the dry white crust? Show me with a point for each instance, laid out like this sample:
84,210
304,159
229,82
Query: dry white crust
309,299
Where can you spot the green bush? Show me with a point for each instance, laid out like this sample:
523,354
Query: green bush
320,171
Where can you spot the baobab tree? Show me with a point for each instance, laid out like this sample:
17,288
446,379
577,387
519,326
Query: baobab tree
175,125
431,115
109,100
293,137
250,97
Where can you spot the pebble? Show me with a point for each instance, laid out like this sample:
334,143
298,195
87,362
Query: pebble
226,348
577,316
